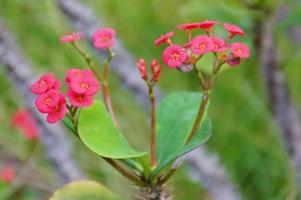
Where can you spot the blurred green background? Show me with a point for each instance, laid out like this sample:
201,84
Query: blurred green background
245,135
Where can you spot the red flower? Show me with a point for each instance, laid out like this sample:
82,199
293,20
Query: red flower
207,24
77,73
240,50
85,85
71,37
104,38
202,44
79,100
142,68
54,104
219,44
233,30
174,55
7,174
23,120
156,69
164,39
45,83
188,26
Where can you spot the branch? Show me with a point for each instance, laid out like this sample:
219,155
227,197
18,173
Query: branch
83,19
284,110
52,136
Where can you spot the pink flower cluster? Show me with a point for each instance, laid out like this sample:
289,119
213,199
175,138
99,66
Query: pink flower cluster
175,55
23,120
7,174
155,67
82,85
102,38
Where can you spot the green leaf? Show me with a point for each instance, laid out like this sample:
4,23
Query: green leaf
175,118
84,190
99,134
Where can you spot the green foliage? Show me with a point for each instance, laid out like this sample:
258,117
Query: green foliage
84,190
175,119
99,134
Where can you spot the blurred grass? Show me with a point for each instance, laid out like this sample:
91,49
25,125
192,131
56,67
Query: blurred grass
244,133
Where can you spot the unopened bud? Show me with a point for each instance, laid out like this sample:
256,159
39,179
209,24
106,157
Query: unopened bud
156,69
142,68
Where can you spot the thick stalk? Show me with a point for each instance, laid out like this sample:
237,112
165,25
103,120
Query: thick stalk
153,126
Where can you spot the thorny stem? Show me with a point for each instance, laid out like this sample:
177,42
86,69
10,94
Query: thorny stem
153,125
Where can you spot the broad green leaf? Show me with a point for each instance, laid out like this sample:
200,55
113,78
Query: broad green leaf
175,117
84,190
99,134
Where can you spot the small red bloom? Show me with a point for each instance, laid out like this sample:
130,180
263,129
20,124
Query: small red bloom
174,55
219,44
71,37
54,104
164,39
104,38
233,30
23,120
156,69
142,68
45,83
85,85
202,44
207,24
7,174
240,50
188,26
45,102
77,73
79,100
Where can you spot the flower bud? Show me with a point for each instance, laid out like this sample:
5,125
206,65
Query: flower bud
156,69
142,68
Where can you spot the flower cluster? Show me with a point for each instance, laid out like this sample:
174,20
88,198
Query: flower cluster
81,87
175,55
155,67
23,120
102,38
7,174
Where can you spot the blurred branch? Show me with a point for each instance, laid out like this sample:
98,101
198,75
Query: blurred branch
284,110
52,136
206,166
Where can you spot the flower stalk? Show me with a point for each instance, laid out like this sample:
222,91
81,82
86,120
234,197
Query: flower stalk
152,98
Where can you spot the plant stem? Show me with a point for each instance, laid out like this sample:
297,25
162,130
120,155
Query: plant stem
153,125
102,78
105,87
200,115
88,59
124,172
